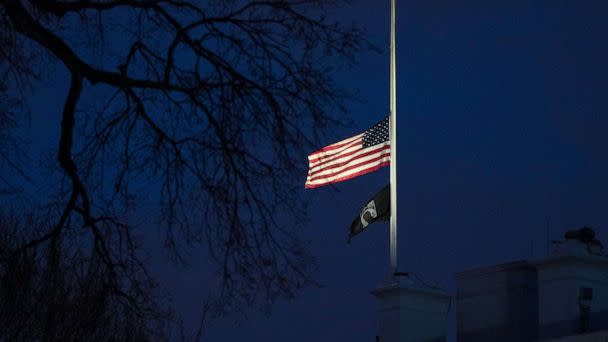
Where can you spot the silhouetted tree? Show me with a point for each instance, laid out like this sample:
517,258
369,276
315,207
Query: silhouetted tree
57,292
207,106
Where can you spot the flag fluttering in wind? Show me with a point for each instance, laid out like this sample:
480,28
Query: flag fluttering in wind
377,209
350,158
364,153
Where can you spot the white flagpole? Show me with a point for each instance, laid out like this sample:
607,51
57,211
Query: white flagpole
393,141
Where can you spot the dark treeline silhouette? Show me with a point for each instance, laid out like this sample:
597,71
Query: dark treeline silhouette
57,292
205,109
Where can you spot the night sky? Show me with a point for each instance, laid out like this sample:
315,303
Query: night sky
501,134
501,139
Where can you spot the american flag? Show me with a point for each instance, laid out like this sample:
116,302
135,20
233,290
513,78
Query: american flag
349,158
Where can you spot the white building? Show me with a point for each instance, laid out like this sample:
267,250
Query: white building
411,311
559,298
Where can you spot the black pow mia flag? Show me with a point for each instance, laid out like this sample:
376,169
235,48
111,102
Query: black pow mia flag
377,209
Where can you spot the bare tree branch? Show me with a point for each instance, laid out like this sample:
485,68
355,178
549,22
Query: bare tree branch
206,106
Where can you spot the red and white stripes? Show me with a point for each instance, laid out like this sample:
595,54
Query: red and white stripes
344,160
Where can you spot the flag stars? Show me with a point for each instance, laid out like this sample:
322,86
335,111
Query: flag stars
377,134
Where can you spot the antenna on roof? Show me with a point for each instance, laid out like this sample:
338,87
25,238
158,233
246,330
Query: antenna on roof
547,237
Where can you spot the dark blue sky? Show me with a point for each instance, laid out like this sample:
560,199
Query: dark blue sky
501,129
502,119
